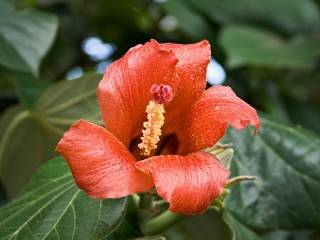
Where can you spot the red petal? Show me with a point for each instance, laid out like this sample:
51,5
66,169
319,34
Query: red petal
191,71
124,91
189,183
100,164
207,120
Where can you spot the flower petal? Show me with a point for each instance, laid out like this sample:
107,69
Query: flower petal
191,71
101,164
124,91
189,183
207,120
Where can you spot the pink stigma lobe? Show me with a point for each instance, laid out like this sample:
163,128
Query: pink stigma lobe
161,93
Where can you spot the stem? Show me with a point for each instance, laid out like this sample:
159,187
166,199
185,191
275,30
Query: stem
12,126
157,205
231,182
146,201
219,148
161,222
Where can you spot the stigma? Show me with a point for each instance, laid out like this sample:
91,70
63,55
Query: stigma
155,118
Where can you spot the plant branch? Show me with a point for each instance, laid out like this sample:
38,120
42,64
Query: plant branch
161,222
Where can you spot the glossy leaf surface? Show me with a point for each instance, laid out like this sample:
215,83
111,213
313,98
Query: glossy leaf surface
238,230
29,137
256,47
53,207
25,37
279,156
291,16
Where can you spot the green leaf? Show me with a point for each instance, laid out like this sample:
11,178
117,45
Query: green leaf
289,16
25,144
304,114
189,20
251,46
286,192
151,238
29,88
125,231
202,227
129,228
28,137
25,37
68,101
239,231
291,235
53,207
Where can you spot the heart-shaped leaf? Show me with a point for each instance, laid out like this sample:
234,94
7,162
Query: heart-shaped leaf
25,37
189,20
53,207
68,101
239,230
251,46
203,227
28,137
286,192
290,16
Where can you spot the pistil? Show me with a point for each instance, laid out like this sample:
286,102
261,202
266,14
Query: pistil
155,118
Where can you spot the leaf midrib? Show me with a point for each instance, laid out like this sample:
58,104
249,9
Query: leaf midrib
28,204
294,169
262,188
63,213
16,233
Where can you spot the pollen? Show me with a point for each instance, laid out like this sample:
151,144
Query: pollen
155,118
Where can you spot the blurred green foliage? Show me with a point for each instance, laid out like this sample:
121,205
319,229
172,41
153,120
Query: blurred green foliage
270,50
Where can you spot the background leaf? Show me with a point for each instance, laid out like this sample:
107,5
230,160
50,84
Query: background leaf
285,193
29,137
202,227
251,46
189,20
300,15
29,88
239,231
68,101
53,207
25,37
25,144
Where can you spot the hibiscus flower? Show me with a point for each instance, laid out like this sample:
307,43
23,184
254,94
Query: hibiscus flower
158,120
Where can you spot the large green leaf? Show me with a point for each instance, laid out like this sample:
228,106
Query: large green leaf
202,227
291,235
28,137
189,20
53,207
25,144
303,114
68,101
251,46
29,88
238,229
286,192
25,37
290,16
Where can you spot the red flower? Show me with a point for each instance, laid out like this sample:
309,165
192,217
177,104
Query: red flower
183,119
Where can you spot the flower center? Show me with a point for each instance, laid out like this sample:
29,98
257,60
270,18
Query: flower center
155,115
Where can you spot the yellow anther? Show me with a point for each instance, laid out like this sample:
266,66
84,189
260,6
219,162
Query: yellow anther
152,128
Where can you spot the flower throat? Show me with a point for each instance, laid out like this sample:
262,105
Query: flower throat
155,114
